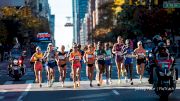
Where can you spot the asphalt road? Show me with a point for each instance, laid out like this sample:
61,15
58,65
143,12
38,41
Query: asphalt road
27,90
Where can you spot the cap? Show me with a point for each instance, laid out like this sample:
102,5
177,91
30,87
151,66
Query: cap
50,44
139,42
148,41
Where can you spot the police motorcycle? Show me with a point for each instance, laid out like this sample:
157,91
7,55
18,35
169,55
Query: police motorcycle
16,66
164,76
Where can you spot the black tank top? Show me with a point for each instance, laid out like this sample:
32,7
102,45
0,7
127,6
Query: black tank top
62,55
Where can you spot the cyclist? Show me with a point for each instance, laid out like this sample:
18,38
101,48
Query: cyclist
62,60
37,57
100,54
128,60
108,63
75,58
89,59
140,52
119,59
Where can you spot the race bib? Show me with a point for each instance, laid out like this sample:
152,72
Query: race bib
62,57
108,57
90,56
100,57
119,53
141,55
77,57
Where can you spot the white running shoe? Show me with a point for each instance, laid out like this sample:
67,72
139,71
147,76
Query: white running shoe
140,82
62,84
48,84
119,81
107,82
126,79
110,81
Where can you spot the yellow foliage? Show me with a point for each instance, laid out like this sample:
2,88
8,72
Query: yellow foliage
119,2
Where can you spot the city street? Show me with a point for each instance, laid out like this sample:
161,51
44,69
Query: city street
27,90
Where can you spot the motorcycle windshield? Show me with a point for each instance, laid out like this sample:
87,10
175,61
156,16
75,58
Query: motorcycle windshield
164,64
15,54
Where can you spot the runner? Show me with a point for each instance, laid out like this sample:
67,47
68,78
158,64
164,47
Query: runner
100,55
108,63
62,60
37,57
75,58
89,59
128,51
51,59
141,59
119,59
45,65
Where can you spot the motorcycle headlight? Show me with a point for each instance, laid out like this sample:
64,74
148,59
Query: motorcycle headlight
161,73
15,61
150,55
169,73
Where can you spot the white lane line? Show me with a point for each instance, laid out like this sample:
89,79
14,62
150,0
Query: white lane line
25,92
115,92
1,97
6,83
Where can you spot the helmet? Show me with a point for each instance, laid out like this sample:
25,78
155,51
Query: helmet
148,41
161,44
127,41
139,43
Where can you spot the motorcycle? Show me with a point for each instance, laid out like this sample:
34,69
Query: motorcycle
16,66
164,77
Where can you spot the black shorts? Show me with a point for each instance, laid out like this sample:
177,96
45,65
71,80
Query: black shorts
90,65
140,61
63,65
52,64
101,62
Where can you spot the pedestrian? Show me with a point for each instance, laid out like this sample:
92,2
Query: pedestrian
37,57
119,58
89,59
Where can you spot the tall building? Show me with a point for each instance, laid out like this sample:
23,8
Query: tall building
4,3
52,27
40,7
79,10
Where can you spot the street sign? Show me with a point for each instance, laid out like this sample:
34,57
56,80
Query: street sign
171,4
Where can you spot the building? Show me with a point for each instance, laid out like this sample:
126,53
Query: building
52,27
39,8
85,29
79,11
4,3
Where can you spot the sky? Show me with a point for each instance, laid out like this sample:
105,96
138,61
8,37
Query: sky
62,9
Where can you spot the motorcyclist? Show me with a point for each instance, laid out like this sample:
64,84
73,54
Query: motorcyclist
161,51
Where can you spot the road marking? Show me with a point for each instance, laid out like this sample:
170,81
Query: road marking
88,96
25,92
115,92
1,97
6,83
